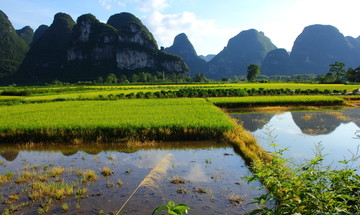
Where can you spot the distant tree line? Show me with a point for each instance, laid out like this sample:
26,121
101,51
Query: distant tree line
336,74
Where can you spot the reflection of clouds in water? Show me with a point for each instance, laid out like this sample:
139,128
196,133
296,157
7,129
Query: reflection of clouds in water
146,159
197,174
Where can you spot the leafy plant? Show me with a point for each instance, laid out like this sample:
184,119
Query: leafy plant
172,208
308,188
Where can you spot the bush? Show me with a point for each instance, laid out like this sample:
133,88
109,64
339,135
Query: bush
308,188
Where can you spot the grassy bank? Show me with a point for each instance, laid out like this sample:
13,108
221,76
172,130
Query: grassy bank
106,121
254,101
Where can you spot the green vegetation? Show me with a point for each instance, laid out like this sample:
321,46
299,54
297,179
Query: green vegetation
253,71
12,48
308,188
172,208
104,121
235,102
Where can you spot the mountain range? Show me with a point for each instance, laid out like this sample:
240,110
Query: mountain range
88,49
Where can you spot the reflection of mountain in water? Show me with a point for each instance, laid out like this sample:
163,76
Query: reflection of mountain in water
10,152
316,123
9,155
253,121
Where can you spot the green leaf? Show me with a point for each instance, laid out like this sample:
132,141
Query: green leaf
181,207
160,208
171,204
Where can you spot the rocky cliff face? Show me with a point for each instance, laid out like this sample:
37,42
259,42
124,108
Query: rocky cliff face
12,47
46,59
89,49
248,47
320,45
182,47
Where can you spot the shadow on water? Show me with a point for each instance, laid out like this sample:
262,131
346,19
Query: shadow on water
204,165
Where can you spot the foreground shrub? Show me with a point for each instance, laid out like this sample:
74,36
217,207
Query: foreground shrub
308,188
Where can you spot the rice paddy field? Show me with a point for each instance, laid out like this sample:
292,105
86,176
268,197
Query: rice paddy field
275,101
112,120
46,93
91,178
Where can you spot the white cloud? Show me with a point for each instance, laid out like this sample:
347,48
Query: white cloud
108,4
202,32
152,5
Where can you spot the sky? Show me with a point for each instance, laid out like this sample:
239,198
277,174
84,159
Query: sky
209,24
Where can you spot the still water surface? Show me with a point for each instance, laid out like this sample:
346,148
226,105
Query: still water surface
209,165
302,131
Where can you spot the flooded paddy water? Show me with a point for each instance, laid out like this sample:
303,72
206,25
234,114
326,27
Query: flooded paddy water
212,173
301,131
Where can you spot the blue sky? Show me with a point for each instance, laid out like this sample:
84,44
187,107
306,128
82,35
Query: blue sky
209,24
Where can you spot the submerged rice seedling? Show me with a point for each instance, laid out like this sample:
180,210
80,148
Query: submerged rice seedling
56,171
106,171
89,175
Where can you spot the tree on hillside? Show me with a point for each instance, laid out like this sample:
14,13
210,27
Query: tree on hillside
353,75
253,71
111,79
338,71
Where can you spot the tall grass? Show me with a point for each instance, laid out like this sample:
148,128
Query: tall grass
106,121
152,179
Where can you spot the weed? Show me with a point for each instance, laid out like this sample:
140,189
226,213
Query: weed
177,180
24,177
235,199
110,185
181,190
89,175
65,207
120,182
128,171
81,192
106,171
56,172
200,190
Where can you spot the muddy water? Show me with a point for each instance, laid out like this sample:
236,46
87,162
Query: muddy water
209,165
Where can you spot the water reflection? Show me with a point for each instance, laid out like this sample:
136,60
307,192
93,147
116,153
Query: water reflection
200,163
316,123
197,174
9,155
253,121
301,131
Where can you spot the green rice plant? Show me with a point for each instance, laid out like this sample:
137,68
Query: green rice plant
112,120
276,101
